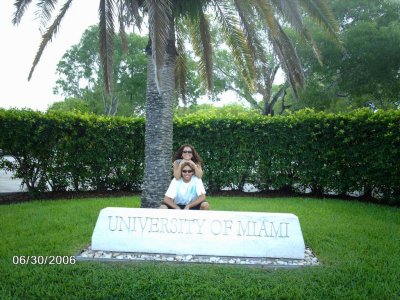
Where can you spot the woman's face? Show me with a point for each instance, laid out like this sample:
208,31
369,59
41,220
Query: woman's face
187,153
187,173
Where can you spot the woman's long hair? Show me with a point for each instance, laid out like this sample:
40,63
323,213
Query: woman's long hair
196,157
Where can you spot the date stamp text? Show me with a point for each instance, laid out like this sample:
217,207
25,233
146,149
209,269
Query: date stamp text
43,260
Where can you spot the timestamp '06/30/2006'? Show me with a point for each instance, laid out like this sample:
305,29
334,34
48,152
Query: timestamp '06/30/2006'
43,260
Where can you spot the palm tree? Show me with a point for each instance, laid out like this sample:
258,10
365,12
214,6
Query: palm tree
168,20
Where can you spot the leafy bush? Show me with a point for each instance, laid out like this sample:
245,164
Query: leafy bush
326,153
67,151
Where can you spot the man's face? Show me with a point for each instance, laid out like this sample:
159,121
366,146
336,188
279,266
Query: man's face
187,173
187,153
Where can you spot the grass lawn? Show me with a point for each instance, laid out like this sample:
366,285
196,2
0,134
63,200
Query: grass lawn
358,245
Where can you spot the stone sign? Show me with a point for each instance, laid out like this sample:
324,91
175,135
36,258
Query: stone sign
219,233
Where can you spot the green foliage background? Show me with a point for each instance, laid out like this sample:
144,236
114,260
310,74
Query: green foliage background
364,72
80,78
343,153
68,151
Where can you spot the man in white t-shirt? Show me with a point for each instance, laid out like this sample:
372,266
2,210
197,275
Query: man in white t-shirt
186,192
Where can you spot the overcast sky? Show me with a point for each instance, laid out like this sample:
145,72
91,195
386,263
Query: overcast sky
19,46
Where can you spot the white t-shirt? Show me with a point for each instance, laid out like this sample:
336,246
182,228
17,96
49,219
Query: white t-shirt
185,192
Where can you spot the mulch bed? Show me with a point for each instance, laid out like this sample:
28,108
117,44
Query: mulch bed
7,198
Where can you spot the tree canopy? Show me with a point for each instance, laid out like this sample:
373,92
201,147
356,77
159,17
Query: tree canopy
365,73
80,77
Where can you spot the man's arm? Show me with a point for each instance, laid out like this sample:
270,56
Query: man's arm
170,203
200,199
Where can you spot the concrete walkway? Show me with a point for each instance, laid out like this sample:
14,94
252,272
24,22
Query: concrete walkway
8,185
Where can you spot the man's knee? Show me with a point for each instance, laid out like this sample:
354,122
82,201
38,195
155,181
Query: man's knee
205,205
163,206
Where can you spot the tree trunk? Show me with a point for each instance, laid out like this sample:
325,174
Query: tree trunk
158,135
268,109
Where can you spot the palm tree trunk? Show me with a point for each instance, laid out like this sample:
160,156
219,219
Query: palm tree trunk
159,125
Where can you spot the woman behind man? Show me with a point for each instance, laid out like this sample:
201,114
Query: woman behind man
187,153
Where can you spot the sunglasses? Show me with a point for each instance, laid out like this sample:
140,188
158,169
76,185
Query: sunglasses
187,151
187,171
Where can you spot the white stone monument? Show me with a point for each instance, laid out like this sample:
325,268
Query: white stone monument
216,233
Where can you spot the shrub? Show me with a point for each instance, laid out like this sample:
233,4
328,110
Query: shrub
66,151
326,153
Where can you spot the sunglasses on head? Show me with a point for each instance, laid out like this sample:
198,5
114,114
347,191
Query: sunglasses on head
187,151
187,171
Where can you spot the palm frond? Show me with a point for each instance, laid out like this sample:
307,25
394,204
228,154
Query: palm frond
21,6
313,45
106,38
47,37
288,58
236,40
247,18
283,48
124,38
244,11
290,11
122,32
181,68
319,10
133,7
159,13
201,41
44,11
207,62
267,12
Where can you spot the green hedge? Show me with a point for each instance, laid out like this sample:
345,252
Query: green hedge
65,151
325,153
